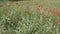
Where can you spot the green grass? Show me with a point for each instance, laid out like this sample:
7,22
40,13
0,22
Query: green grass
31,23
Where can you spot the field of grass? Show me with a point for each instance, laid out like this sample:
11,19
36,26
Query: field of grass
30,17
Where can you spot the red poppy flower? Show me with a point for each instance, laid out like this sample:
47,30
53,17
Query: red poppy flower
46,9
52,11
8,4
44,15
17,3
56,13
0,5
58,21
25,11
38,8
5,13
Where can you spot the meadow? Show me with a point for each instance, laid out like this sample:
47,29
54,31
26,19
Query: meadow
30,17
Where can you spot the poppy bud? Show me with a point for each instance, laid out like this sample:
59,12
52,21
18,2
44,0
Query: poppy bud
0,5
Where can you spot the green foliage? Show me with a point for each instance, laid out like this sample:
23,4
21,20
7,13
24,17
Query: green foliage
31,23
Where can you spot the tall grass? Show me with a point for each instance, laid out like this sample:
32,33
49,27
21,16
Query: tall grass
29,17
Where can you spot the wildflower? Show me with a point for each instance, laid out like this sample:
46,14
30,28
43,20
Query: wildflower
17,3
0,5
58,21
52,11
8,4
25,11
56,13
46,9
5,13
44,15
38,8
